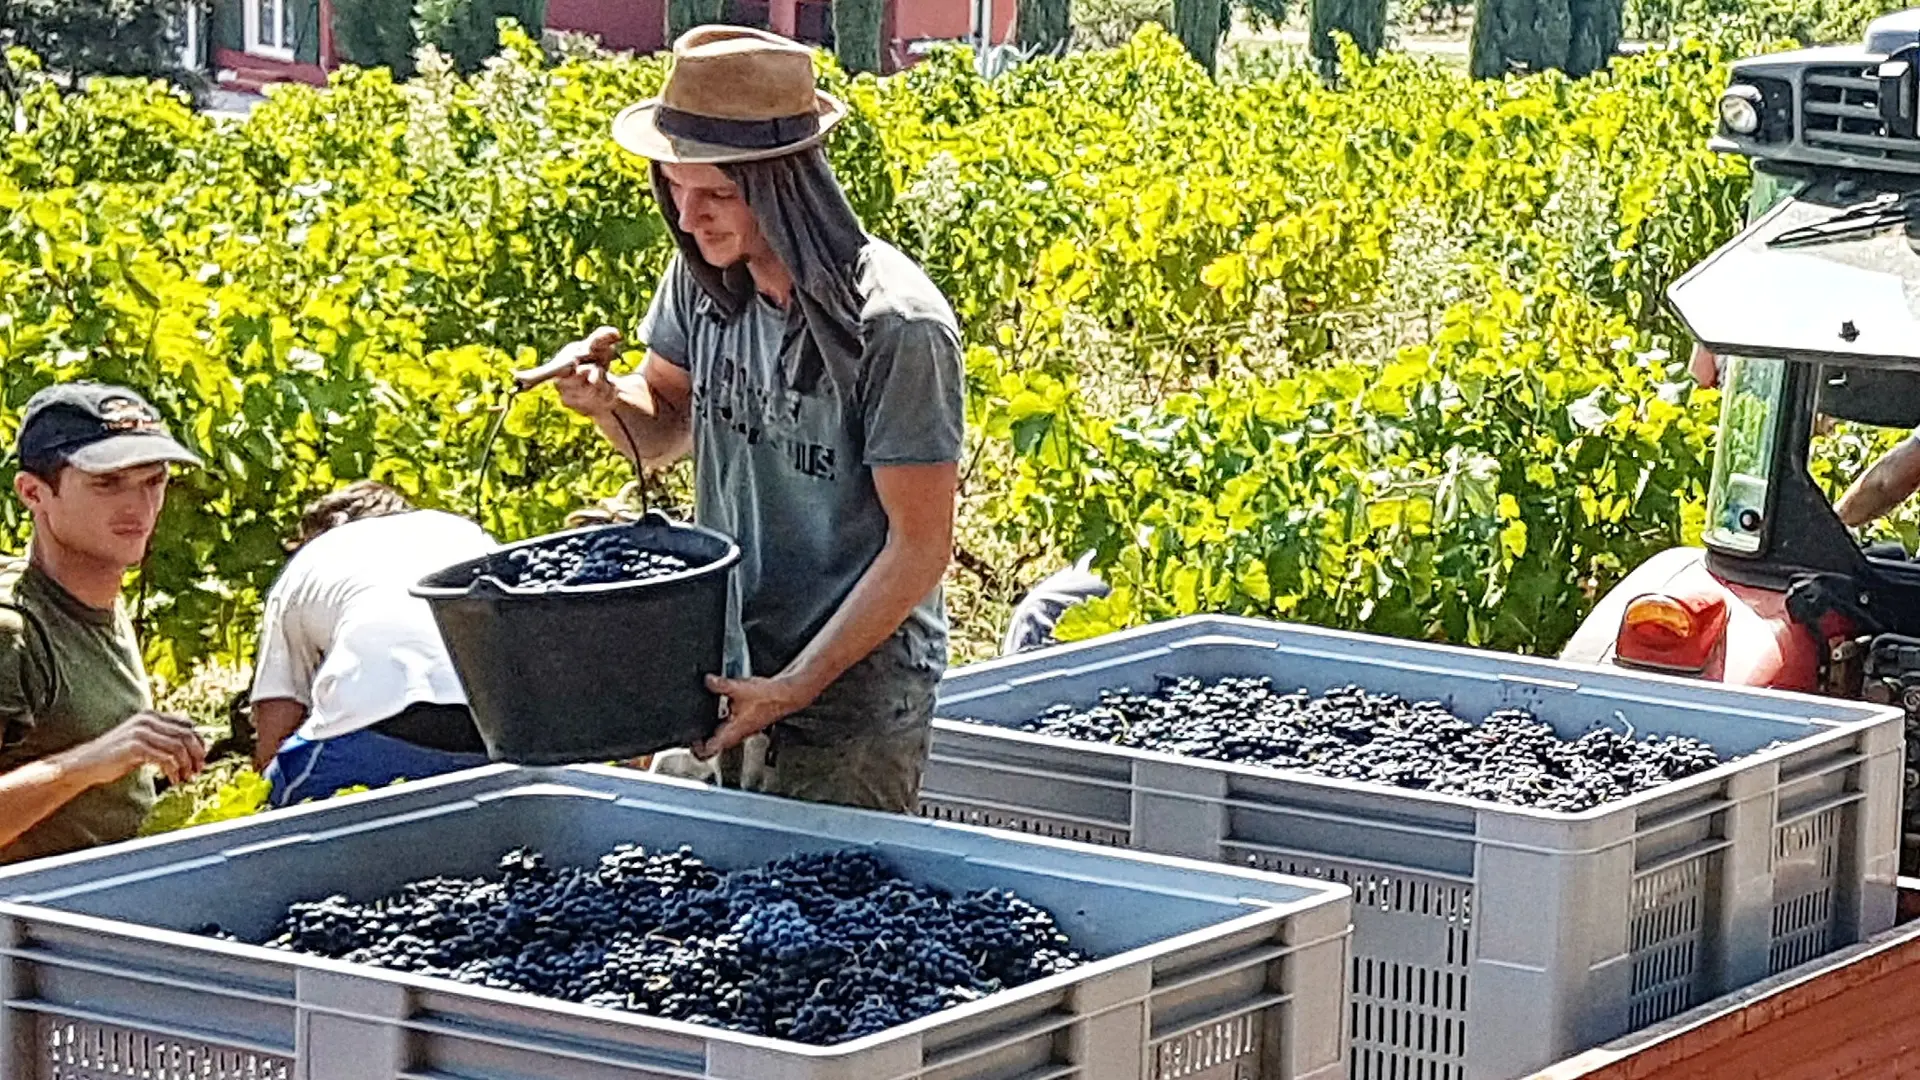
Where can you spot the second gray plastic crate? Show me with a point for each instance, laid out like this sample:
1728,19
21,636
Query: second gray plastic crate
1489,940
1204,973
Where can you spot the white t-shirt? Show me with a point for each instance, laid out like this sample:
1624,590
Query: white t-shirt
343,637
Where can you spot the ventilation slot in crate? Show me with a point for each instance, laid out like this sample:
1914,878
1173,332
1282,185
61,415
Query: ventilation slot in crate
1409,1020
1031,824
1227,1050
1806,859
78,1050
1667,940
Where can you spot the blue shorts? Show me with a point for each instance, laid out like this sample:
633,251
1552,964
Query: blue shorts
305,770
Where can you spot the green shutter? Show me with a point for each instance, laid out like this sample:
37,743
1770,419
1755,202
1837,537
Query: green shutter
306,30
229,29
684,15
858,26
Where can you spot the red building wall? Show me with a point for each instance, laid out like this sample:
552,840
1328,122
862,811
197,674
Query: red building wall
639,25
914,20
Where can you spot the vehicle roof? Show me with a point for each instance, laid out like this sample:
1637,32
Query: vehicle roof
1853,301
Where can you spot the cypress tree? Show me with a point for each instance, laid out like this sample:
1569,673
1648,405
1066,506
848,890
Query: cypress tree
468,31
1595,34
1365,21
376,33
1043,24
857,26
95,37
1198,25
1532,35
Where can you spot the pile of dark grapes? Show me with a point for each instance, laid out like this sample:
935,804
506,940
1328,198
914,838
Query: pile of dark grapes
596,558
817,948
1508,757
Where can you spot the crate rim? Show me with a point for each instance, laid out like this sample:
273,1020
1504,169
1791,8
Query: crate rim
1828,731
515,781
506,780
1334,784
491,782
1542,663
495,589
1272,917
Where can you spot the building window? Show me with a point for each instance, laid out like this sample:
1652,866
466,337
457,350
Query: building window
185,22
270,28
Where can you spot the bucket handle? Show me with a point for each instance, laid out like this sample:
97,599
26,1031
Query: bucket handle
487,587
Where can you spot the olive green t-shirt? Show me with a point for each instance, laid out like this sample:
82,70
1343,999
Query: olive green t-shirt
101,683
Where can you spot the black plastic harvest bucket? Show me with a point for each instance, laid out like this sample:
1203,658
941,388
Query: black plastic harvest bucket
590,673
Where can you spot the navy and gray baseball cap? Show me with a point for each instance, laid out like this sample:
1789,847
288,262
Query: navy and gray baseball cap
94,428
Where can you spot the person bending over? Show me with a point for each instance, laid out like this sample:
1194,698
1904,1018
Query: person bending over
353,685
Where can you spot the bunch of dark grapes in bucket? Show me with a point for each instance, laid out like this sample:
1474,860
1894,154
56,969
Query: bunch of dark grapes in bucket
815,948
595,558
1510,756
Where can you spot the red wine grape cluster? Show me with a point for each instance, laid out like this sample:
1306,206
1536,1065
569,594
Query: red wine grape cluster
595,558
1509,757
816,948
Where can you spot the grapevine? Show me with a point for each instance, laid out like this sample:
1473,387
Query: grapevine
1386,356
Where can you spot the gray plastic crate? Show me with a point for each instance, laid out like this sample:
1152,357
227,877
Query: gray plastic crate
1208,974
1489,940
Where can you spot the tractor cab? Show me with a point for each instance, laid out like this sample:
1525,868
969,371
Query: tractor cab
1809,335
1813,315
1812,312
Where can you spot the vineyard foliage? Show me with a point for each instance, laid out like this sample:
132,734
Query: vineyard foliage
1388,356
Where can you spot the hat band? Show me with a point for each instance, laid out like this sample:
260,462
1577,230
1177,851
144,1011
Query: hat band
737,134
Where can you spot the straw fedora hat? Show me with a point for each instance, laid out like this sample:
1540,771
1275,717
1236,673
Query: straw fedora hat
733,94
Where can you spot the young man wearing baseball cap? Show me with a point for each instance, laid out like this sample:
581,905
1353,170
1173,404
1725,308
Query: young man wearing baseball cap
77,728
815,374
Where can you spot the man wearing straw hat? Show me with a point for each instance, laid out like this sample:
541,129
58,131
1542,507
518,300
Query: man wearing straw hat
815,374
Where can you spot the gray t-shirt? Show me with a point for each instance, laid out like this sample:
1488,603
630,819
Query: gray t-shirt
790,475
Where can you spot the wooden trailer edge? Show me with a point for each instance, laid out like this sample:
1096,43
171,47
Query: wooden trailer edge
1850,1015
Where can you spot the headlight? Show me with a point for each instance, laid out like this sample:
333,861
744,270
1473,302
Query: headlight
1740,109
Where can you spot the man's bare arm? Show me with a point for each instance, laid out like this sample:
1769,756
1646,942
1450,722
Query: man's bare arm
647,415
31,793
919,501
653,417
274,722
1883,486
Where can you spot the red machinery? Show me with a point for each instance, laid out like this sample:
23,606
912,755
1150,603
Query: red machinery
1814,312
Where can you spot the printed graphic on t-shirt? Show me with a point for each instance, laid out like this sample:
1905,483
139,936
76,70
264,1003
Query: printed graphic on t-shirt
734,397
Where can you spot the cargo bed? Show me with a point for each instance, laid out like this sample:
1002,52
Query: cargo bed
1490,940
1847,1016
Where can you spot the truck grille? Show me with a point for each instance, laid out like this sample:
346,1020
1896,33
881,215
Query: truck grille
1840,111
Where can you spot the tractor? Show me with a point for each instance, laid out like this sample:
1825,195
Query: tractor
1809,318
